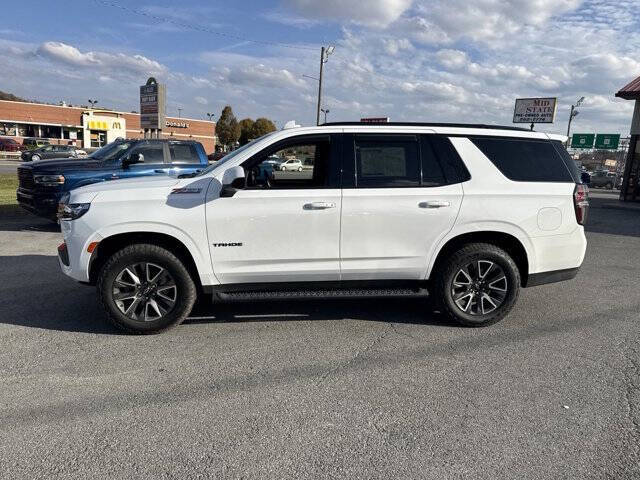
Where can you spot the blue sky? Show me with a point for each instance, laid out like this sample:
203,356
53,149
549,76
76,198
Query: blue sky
420,60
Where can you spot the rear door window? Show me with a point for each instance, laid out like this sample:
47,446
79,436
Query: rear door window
524,160
383,162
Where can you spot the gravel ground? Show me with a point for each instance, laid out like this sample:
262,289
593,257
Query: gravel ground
350,388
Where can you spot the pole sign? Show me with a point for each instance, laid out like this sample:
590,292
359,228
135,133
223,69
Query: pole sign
607,141
535,110
582,140
153,98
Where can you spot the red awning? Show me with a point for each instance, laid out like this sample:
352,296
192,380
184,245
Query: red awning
630,91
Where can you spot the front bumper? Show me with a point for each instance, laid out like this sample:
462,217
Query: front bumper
75,261
41,204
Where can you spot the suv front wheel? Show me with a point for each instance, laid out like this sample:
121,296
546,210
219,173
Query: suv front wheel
478,285
145,289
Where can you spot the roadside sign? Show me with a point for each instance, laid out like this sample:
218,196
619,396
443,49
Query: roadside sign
535,110
153,97
375,120
607,141
582,140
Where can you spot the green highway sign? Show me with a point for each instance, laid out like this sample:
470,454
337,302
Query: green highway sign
607,141
582,140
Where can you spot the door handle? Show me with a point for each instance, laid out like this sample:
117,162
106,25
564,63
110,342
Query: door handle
319,205
434,204
159,170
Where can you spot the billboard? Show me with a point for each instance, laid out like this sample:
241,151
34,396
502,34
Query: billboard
535,110
153,98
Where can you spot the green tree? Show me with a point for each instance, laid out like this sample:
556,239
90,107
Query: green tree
227,128
261,127
246,130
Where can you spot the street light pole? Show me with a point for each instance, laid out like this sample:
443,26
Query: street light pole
572,114
325,111
92,103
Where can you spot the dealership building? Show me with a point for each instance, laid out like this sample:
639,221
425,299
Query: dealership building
92,127
631,181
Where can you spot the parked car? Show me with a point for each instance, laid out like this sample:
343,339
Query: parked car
291,165
42,184
603,179
49,151
586,178
215,156
273,161
32,143
10,145
390,210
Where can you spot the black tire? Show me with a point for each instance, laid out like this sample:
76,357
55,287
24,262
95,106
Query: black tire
471,254
185,289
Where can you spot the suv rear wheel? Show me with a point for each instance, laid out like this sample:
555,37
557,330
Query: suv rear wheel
478,285
145,289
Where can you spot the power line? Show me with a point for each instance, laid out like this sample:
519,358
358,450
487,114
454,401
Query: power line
196,27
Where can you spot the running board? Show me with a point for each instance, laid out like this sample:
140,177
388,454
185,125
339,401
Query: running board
307,294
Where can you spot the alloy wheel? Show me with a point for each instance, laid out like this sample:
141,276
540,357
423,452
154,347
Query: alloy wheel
144,291
479,287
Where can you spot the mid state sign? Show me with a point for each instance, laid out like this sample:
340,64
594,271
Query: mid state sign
535,110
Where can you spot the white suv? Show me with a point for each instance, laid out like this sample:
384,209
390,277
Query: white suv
468,213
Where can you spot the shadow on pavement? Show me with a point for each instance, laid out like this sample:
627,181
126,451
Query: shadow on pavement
612,221
35,293
15,219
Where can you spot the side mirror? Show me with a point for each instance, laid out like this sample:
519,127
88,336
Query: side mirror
131,159
233,180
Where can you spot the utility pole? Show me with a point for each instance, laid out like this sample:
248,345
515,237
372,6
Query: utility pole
572,114
179,112
324,56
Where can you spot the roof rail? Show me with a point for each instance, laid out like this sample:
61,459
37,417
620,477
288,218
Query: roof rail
427,124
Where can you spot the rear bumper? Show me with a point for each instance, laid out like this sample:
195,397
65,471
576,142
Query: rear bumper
542,278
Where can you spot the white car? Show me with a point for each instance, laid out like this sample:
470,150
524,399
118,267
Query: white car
467,214
291,165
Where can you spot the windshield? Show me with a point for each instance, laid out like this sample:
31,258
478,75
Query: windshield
231,155
110,151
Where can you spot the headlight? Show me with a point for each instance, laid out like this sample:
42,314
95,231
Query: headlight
72,211
49,180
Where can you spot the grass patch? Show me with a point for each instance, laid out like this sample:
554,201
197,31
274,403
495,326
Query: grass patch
8,186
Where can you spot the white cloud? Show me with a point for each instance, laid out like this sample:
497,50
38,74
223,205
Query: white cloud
452,59
373,13
61,52
445,21
200,100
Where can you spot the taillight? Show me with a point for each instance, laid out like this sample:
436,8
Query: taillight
581,202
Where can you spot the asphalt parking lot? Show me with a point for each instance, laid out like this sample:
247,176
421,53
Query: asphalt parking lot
351,389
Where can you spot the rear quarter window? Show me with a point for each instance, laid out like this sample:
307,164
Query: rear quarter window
525,160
